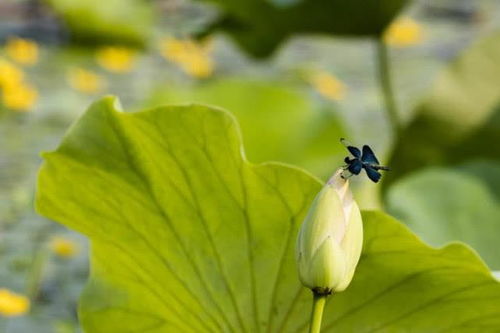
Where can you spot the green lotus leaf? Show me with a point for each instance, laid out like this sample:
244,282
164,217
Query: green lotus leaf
260,26
187,236
459,119
443,205
278,123
487,171
102,22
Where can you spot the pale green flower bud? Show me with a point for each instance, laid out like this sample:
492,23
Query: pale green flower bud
330,239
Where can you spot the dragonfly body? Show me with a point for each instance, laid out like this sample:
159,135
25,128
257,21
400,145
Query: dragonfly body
362,159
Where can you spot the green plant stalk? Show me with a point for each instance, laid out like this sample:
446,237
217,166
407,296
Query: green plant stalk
39,261
36,274
385,83
319,301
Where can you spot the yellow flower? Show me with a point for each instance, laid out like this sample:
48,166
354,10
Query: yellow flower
193,57
19,97
12,304
173,49
328,86
85,81
404,32
63,247
198,65
116,59
23,51
10,75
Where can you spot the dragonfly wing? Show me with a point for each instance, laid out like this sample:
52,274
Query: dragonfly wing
369,156
353,150
355,167
373,174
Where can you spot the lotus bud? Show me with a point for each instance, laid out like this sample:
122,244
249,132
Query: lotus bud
330,239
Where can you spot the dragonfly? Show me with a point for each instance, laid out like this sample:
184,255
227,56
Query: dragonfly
362,159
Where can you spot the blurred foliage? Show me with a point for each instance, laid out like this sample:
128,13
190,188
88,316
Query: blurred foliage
459,119
128,22
486,171
455,126
259,26
443,205
201,239
278,123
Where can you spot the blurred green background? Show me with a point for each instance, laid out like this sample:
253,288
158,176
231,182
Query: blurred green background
416,80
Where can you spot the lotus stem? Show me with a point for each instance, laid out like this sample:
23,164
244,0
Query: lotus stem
319,301
385,82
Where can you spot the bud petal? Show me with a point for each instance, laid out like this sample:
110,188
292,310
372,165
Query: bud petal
352,245
330,239
327,266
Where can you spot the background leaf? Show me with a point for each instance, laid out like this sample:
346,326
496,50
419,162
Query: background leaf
106,22
278,123
188,236
259,26
488,172
459,119
443,205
